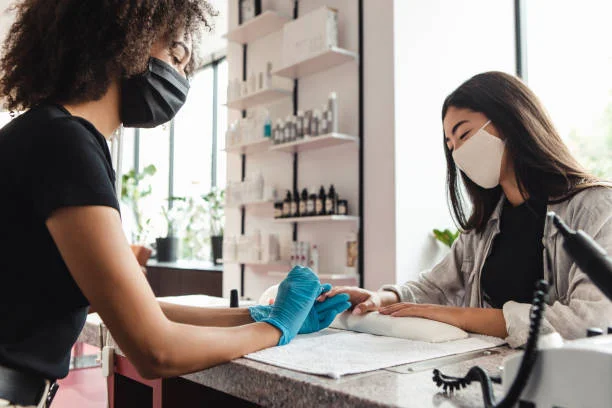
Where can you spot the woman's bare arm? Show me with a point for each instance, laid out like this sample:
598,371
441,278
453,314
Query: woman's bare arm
206,316
91,242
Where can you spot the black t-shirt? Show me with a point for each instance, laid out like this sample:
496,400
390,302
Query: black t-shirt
515,262
48,160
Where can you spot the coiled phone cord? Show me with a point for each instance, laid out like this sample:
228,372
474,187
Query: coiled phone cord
449,383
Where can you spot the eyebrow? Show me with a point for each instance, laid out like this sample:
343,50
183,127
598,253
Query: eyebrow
182,44
457,125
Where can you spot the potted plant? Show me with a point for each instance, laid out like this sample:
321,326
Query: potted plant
168,246
215,200
136,186
195,240
447,237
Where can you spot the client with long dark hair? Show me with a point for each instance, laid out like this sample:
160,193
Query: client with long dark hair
502,149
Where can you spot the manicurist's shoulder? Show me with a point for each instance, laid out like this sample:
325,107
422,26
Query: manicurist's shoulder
48,127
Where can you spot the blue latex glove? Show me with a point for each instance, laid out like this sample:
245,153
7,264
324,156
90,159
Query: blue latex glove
296,296
321,315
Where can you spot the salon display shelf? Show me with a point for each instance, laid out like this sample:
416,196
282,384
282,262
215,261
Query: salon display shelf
322,218
324,277
272,264
258,146
315,143
262,97
327,59
260,26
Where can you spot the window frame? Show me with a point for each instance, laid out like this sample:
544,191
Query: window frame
214,65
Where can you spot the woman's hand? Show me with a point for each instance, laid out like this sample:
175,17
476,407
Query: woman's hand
362,300
471,319
445,314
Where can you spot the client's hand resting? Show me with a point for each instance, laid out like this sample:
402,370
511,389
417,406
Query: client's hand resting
362,300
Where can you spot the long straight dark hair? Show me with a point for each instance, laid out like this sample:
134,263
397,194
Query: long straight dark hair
543,165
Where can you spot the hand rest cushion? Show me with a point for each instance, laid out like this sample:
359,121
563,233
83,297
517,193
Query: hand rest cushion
411,328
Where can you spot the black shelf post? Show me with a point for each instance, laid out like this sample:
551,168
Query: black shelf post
360,243
243,165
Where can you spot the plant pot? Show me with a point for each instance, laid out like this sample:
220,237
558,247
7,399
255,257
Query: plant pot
216,247
167,249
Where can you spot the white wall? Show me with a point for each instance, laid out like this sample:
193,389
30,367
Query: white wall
379,144
438,45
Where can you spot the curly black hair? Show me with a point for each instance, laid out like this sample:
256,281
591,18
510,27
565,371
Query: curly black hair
69,51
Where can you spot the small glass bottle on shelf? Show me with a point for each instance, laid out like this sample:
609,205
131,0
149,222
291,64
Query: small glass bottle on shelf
331,201
295,205
287,205
312,202
304,203
320,203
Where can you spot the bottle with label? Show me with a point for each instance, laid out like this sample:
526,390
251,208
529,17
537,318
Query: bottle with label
278,210
299,127
332,115
331,201
324,123
304,203
320,204
287,205
314,259
312,202
287,137
293,129
315,123
294,205
342,207
308,123
267,126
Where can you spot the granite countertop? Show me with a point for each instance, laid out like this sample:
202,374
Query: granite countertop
409,385
186,264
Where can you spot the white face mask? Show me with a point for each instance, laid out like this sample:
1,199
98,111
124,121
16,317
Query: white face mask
480,158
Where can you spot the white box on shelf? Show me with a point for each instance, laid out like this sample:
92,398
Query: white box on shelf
270,248
310,35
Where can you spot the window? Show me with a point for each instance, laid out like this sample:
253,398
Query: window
569,66
5,117
187,153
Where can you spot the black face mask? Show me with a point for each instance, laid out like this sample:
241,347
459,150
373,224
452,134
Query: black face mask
153,97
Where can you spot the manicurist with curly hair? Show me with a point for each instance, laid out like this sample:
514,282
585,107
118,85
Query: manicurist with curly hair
76,70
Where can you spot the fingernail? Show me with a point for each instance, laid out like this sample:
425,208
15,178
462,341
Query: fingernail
357,311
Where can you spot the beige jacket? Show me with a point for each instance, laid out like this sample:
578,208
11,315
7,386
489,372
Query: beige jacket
575,303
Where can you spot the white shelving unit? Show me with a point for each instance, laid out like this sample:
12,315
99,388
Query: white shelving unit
260,26
258,146
322,218
315,143
259,98
328,59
